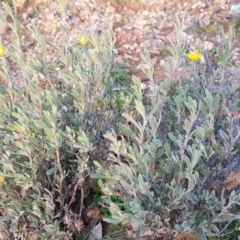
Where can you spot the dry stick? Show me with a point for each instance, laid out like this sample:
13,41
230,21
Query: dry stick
80,211
236,217
74,191
61,178
217,220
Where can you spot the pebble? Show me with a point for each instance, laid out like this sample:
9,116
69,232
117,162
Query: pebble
141,23
235,8
235,57
198,5
161,14
154,51
24,15
208,45
145,13
136,59
118,17
218,38
110,9
132,47
20,4
95,17
50,16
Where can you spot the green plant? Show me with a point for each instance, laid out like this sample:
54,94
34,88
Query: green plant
166,155
10,2
225,53
51,125
166,145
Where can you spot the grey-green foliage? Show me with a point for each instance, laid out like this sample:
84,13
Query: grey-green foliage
165,157
165,145
52,116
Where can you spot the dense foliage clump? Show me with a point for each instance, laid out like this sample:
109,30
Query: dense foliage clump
162,161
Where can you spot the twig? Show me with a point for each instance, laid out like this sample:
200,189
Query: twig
236,217
61,178
74,191
81,206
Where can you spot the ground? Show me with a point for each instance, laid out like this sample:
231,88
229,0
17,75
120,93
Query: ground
138,24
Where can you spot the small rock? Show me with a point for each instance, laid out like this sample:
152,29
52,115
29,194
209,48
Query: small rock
110,9
131,47
198,5
95,17
25,16
50,16
218,38
135,45
208,45
153,15
198,41
161,14
154,51
20,4
189,38
235,57
141,23
136,59
129,13
235,8
46,11
135,32
169,5
119,59
194,6
145,13
124,37
118,17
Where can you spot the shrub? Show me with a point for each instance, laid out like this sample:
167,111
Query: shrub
52,117
166,145
170,150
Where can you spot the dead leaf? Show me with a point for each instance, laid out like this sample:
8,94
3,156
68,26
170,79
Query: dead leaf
184,236
232,181
94,213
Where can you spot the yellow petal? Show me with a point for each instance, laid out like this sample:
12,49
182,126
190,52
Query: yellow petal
2,51
194,56
83,41
2,179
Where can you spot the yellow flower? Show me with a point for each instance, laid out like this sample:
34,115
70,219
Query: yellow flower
194,56
2,179
83,41
84,165
2,51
